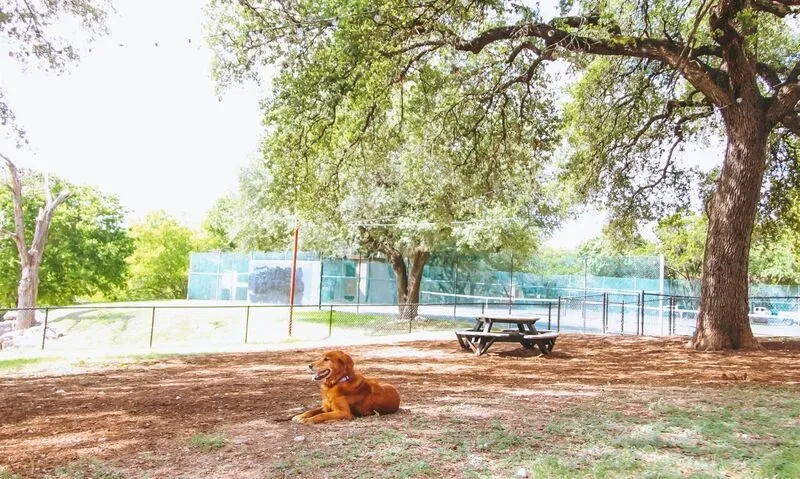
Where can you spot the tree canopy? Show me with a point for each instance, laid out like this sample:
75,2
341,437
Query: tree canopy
653,75
396,154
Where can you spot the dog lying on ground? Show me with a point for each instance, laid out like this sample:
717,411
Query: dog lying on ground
346,393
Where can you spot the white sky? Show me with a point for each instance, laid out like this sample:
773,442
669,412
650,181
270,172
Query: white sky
140,121
144,123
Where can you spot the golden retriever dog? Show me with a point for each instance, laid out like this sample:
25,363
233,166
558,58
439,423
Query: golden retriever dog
346,393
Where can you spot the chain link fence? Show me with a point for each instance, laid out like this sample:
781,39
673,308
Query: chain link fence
169,327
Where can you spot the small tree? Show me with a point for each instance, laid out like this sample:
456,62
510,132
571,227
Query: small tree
30,258
159,265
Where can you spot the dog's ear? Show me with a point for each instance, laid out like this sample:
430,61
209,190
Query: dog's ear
347,364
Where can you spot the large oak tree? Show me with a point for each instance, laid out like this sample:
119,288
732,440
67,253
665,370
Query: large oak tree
656,74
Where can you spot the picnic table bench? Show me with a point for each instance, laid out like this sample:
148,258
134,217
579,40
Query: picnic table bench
481,336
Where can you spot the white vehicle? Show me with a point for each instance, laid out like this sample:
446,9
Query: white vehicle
760,314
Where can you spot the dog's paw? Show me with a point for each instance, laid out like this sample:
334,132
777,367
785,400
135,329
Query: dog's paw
298,418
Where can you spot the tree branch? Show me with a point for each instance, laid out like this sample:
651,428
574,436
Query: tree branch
792,123
785,102
19,220
43,224
779,8
741,70
672,105
665,51
769,75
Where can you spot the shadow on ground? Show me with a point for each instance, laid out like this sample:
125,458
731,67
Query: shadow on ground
142,415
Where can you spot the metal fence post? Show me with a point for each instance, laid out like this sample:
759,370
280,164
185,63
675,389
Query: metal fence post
511,285
643,298
549,314
247,324
604,313
321,273
330,321
358,284
622,319
558,315
672,314
152,326
44,330
639,300
455,281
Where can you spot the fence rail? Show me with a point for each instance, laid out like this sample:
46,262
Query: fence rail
219,326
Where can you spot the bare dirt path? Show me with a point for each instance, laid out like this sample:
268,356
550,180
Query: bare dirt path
141,416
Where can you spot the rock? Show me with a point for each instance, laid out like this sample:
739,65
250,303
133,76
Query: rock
11,315
522,472
299,438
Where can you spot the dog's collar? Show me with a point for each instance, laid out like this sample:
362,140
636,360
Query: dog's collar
343,379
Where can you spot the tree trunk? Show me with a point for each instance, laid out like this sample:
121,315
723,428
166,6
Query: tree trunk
723,322
30,258
27,293
408,283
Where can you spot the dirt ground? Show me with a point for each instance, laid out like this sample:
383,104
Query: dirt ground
141,416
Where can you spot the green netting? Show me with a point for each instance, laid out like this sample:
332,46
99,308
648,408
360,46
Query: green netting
456,278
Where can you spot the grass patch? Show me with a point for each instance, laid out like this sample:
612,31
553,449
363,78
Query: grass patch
374,321
498,439
745,432
87,469
343,318
208,442
19,364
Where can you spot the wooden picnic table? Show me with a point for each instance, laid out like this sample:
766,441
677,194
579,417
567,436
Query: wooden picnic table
523,330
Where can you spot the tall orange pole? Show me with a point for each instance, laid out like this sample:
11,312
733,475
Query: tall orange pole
294,274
